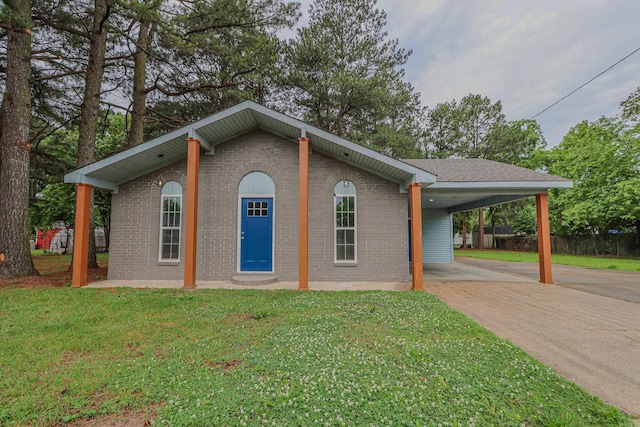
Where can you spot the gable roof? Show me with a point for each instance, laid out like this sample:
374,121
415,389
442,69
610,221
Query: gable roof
452,184
129,164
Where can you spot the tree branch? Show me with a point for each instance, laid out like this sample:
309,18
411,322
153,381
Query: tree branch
56,76
59,27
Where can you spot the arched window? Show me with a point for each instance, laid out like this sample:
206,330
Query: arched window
170,220
345,247
255,183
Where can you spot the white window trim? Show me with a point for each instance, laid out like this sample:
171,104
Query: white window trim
273,232
162,197
354,228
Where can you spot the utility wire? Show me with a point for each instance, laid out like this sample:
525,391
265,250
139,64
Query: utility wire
583,85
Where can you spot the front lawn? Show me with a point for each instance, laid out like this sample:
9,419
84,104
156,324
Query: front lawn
611,263
219,358
54,271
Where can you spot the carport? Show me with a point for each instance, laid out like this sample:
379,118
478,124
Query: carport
465,184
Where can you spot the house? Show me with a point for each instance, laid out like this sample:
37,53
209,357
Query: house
490,234
252,191
60,240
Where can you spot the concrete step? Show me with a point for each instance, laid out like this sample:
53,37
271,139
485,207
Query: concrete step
253,279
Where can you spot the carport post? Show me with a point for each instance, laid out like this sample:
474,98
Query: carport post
303,209
415,202
544,238
191,213
81,235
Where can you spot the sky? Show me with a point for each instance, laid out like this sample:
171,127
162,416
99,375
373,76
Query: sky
525,53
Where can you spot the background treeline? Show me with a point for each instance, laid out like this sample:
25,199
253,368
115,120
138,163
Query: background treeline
84,78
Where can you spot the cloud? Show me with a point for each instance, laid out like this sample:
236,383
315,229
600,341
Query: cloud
526,53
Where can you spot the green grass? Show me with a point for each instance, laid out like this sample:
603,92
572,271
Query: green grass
610,263
43,252
48,263
219,358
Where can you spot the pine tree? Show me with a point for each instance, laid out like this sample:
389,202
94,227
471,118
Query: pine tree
15,256
346,76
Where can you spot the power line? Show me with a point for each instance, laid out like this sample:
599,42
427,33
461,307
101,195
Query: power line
583,85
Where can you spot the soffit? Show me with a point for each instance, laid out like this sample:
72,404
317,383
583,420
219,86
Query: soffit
229,124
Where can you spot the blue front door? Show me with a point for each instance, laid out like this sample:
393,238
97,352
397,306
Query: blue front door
256,235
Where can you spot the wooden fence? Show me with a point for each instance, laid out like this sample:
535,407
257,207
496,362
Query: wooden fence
608,244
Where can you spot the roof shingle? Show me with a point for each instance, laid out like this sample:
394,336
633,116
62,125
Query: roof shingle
479,170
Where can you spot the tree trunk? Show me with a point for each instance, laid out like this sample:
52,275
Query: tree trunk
493,233
480,229
138,111
15,254
492,219
464,234
91,101
107,235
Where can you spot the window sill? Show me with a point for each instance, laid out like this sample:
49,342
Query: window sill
345,264
168,263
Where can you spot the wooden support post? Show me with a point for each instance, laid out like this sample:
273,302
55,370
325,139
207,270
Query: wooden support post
415,201
303,209
81,235
191,213
544,238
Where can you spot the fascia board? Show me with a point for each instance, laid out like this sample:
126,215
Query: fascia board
183,132
125,154
192,130
424,175
79,178
421,175
503,184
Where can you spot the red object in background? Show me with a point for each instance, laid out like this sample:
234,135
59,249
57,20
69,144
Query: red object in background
45,237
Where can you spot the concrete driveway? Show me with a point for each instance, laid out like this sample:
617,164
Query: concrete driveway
622,285
590,339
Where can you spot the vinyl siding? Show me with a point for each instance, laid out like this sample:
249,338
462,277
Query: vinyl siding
437,236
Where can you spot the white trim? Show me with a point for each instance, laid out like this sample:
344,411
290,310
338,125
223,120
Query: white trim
161,228
542,185
355,227
273,231
239,233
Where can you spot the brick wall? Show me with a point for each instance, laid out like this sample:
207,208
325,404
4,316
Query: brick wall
135,227
381,216
381,220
